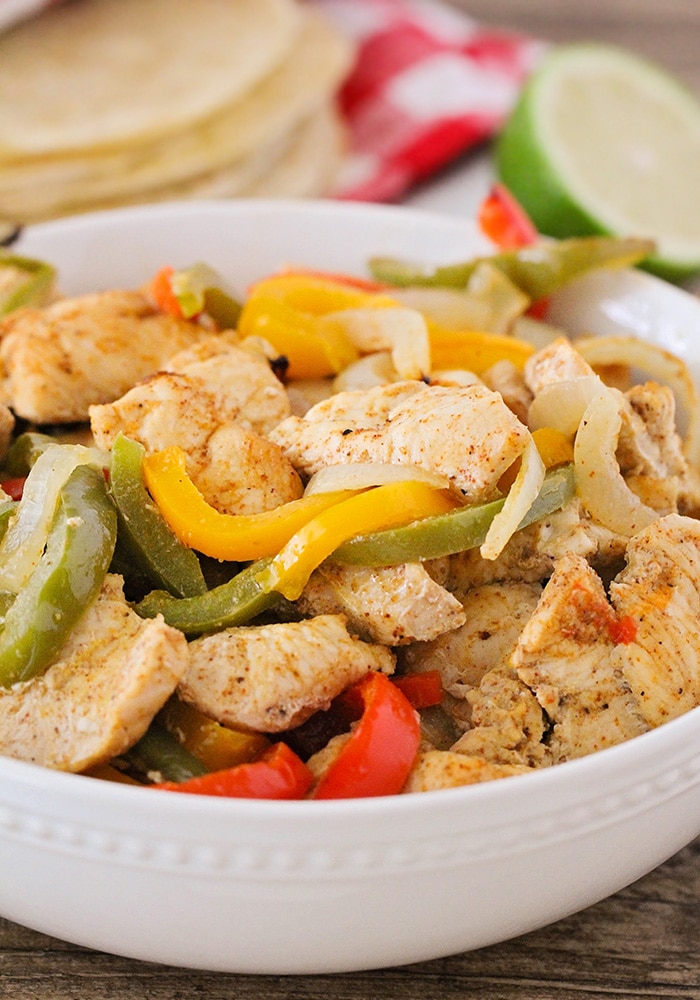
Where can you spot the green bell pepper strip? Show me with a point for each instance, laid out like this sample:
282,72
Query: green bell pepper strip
24,451
65,581
201,289
24,540
245,596
144,540
160,756
26,282
447,534
538,270
233,603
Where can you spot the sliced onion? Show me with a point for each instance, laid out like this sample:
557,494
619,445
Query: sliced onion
661,366
521,496
562,404
24,540
599,482
366,373
362,475
402,331
454,377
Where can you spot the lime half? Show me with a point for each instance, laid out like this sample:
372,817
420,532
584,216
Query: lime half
602,141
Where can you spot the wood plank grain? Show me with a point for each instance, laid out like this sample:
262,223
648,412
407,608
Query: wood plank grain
666,32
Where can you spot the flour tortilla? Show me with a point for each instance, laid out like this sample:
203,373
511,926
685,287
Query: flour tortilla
95,74
302,164
304,82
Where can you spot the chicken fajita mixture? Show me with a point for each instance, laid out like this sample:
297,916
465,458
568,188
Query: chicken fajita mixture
339,536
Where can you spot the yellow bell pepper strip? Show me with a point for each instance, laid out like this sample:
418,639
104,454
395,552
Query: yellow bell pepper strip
66,579
216,746
555,447
234,603
446,534
539,270
24,282
289,311
474,350
106,772
229,537
379,755
276,774
145,542
380,508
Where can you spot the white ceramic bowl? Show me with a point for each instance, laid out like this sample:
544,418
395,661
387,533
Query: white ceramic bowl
304,887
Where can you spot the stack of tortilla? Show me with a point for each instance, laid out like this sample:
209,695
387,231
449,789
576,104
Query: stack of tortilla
114,102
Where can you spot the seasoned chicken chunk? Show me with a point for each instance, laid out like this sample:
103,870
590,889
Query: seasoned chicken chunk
7,425
529,556
465,433
57,361
508,723
437,769
391,605
494,616
605,672
113,674
565,656
659,590
270,678
215,401
559,361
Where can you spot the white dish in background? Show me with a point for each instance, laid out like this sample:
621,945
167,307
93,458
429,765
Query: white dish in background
311,887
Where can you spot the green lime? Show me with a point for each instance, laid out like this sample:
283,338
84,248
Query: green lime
604,142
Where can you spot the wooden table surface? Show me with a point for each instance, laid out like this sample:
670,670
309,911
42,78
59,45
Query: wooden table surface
642,943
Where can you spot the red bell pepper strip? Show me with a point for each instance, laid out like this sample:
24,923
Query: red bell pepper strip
161,290
422,689
276,774
378,756
14,487
504,221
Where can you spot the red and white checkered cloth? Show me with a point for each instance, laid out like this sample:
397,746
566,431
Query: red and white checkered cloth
428,84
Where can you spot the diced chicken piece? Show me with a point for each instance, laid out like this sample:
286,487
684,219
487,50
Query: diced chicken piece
508,724
465,433
114,673
659,591
391,605
505,378
649,449
245,386
557,362
652,459
271,678
438,769
494,616
7,425
319,762
217,409
531,553
59,360
564,656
